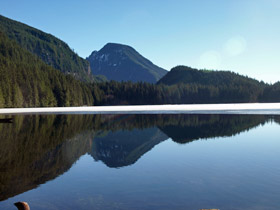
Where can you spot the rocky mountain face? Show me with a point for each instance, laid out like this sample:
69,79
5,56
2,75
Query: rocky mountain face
123,63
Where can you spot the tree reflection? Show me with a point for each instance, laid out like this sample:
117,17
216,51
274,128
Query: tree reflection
36,149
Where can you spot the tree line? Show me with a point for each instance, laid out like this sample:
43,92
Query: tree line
115,93
26,81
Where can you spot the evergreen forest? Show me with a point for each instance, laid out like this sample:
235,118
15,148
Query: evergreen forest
39,70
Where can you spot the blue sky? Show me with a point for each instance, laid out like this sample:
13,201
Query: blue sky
237,35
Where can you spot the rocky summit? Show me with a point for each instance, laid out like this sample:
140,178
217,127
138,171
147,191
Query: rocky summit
123,63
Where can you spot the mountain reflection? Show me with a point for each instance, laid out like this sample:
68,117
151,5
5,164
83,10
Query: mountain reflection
36,149
122,148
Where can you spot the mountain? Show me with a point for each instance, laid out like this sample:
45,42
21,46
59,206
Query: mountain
188,75
50,49
26,81
123,63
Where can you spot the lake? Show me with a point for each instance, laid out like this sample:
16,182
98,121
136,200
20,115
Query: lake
134,161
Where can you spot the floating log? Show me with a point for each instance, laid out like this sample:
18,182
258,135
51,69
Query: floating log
6,120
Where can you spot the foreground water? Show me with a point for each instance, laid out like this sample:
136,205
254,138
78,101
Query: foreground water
140,162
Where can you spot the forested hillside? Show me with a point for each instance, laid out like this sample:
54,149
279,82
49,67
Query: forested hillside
47,47
271,93
188,75
26,81
113,93
39,70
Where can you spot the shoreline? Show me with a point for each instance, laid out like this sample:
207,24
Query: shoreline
245,108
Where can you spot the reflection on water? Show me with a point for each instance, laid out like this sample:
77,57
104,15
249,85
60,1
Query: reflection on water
123,148
36,149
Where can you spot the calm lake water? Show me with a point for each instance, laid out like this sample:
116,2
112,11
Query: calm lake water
140,162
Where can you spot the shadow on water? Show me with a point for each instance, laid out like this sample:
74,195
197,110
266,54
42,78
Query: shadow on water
38,148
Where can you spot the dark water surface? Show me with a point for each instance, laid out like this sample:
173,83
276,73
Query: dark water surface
140,162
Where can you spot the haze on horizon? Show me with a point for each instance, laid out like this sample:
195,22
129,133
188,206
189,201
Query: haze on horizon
240,35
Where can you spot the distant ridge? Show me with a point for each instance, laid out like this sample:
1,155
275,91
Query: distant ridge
188,75
123,63
47,47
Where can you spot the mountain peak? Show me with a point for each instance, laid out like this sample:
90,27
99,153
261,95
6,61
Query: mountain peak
115,45
123,63
118,49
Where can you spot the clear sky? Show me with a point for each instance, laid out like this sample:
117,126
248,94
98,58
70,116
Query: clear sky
238,35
